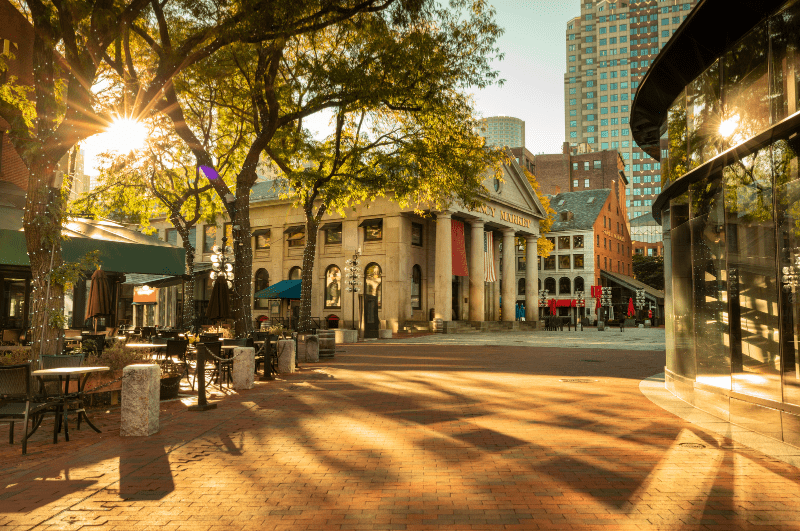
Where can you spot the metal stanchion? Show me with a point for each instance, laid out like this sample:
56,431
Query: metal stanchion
267,376
200,372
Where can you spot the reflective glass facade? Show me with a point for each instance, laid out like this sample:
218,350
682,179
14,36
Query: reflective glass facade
732,232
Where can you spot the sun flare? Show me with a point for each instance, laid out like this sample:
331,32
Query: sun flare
122,136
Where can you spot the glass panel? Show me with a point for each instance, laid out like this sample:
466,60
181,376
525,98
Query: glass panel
193,237
550,285
563,261
564,286
209,237
416,234
676,127
703,116
682,300
295,273
297,239
784,29
711,329
578,261
373,233
577,242
753,293
550,262
262,240
787,189
333,236
416,287
372,279
563,242
746,88
333,287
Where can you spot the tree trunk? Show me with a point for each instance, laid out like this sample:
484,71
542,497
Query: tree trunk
241,295
42,226
309,254
188,295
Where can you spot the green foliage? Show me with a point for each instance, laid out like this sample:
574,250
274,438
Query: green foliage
649,270
116,357
15,95
15,357
69,272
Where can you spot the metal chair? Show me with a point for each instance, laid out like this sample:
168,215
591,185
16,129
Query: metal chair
176,348
51,385
18,402
215,348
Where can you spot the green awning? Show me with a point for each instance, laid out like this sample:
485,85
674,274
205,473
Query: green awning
285,289
117,257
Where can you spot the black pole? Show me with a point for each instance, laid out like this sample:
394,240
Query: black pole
267,376
200,372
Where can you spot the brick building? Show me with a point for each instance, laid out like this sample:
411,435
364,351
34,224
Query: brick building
590,235
574,170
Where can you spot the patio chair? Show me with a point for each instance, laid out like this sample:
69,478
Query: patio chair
51,385
18,402
176,348
208,337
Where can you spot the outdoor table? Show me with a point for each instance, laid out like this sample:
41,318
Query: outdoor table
65,395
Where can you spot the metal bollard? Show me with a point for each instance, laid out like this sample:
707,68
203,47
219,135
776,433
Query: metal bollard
200,372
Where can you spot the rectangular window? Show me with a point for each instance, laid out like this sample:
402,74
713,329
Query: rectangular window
549,263
333,235
603,99
603,110
575,166
262,237
193,237
603,134
577,242
575,183
604,122
373,230
586,165
209,237
573,101
586,183
296,236
171,236
598,164
563,262
563,242
573,123
416,234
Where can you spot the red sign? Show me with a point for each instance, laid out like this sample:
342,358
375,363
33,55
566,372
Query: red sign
459,249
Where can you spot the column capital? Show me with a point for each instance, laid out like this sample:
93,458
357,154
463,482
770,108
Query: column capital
508,230
444,214
475,223
531,238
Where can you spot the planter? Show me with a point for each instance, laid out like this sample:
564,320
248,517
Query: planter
630,323
170,387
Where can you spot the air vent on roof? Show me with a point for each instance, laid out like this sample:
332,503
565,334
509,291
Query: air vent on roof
561,202
567,216
591,200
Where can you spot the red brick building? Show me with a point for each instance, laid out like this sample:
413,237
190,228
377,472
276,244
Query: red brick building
573,170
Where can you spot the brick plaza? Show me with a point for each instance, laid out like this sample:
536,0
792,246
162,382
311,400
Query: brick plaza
411,436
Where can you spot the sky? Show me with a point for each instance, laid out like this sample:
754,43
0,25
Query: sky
533,69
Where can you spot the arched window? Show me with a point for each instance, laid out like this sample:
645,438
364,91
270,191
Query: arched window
416,287
261,281
550,285
295,273
521,287
333,287
564,286
372,281
579,285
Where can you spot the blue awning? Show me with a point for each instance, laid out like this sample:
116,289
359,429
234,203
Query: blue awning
285,289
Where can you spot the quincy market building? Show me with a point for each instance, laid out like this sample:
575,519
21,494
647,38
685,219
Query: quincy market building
442,265
720,106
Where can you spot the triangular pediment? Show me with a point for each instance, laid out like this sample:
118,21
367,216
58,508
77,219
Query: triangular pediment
514,190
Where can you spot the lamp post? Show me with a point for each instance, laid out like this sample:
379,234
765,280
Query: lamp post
543,298
352,279
221,264
605,299
640,300
581,302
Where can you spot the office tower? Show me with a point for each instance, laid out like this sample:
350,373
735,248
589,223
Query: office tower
504,131
610,47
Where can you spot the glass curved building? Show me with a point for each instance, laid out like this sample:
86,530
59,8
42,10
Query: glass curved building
719,107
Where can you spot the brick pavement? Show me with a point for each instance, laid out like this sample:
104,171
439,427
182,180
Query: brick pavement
397,436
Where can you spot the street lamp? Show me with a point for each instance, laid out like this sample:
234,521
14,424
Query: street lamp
640,300
352,279
605,299
221,264
543,298
581,302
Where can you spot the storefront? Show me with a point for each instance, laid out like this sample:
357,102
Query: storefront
723,98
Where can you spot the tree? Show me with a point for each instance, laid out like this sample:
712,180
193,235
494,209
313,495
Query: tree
649,270
543,246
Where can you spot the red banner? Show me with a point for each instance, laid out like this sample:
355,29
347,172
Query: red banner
459,249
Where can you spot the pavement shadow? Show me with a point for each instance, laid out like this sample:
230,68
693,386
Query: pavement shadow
144,474
27,496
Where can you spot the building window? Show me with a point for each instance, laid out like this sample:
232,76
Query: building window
550,285
564,286
549,263
416,234
586,183
209,238
295,273
416,288
521,286
563,242
578,261
171,236
579,284
296,236
262,239
333,235
563,262
586,165
333,287
373,230
520,263
577,242
575,183
372,281
261,282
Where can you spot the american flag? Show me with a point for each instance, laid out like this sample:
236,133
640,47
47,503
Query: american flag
488,257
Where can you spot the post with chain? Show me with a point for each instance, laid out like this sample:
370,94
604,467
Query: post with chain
200,372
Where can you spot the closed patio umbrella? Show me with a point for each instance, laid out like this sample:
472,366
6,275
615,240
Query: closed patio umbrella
631,310
219,305
99,297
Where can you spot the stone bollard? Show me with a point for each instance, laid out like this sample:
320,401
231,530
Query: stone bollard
327,343
311,349
286,355
647,323
601,326
346,336
244,367
141,387
385,334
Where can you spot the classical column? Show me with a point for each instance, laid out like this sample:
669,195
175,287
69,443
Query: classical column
509,277
531,280
443,283
476,273
496,283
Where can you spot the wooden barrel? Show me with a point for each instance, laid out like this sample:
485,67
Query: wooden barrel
327,343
